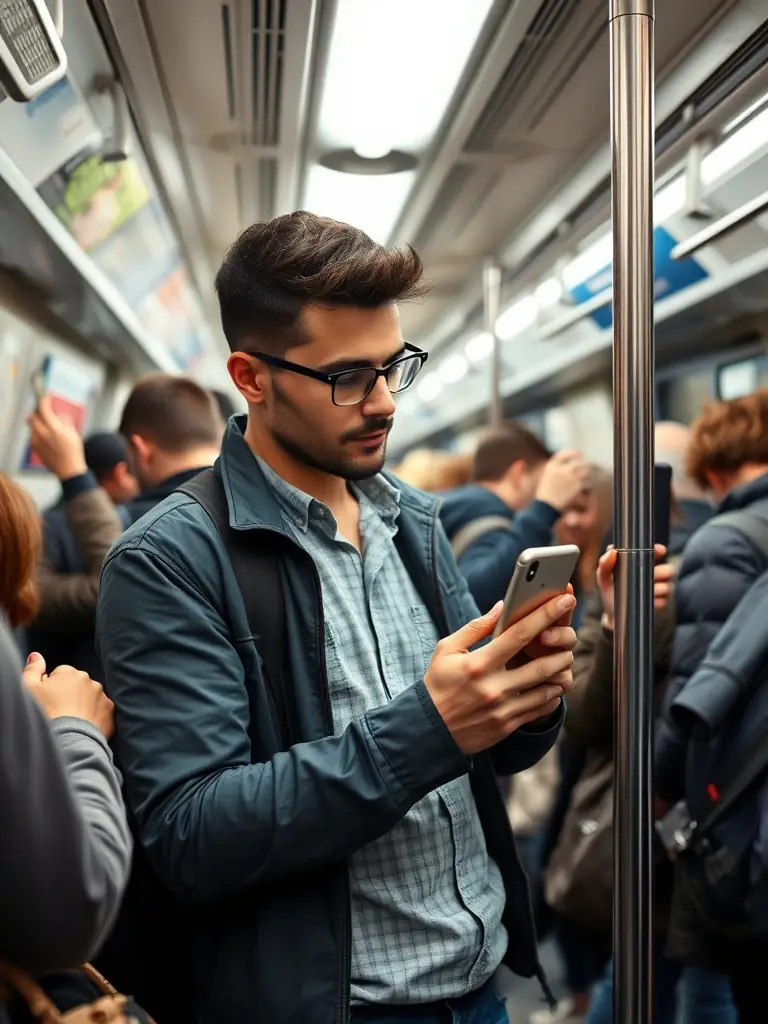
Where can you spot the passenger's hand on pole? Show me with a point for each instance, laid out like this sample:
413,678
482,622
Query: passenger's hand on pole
56,442
478,698
69,693
563,479
663,579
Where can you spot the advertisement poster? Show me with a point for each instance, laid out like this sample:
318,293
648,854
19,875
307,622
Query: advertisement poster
93,199
111,211
44,134
70,390
169,315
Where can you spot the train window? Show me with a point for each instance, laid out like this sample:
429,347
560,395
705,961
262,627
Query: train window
681,398
737,379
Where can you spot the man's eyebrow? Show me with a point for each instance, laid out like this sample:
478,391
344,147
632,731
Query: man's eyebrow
358,364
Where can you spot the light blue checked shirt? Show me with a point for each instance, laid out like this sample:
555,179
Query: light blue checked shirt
426,898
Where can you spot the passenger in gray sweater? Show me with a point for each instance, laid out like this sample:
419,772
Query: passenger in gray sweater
65,847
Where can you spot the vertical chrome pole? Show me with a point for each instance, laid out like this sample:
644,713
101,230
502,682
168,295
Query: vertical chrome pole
491,300
632,150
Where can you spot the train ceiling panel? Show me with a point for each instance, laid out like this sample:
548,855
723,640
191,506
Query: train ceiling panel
545,113
246,85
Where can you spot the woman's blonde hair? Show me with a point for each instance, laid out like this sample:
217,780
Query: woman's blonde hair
435,471
601,493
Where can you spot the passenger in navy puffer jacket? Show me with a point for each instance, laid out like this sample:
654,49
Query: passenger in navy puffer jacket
728,454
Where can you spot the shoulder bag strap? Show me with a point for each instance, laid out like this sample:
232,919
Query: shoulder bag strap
257,569
473,531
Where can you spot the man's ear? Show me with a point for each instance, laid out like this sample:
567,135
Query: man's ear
250,376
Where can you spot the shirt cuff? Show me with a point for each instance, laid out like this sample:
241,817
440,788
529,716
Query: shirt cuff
79,484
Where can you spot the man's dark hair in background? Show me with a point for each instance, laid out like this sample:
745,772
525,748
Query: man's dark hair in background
519,492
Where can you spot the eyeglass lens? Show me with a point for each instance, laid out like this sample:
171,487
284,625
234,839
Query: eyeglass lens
354,386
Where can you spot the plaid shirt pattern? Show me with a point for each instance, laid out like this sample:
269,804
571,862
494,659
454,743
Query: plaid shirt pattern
426,898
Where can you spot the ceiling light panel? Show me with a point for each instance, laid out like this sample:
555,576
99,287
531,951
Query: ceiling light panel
392,70
369,201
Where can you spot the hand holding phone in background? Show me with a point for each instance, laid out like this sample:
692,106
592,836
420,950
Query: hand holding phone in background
55,441
663,579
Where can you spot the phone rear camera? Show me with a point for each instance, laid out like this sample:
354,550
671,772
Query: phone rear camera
531,574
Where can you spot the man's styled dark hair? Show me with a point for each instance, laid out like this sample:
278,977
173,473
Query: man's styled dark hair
173,412
275,269
502,448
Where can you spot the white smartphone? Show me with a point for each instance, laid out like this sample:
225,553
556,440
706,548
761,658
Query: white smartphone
540,575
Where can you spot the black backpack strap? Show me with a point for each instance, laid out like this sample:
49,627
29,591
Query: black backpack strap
257,569
750,768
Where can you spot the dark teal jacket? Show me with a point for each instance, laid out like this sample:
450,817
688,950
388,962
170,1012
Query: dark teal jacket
256,840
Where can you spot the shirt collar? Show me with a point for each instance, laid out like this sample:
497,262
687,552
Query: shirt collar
302,509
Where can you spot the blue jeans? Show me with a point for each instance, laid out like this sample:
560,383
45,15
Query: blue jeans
702,996
482,1007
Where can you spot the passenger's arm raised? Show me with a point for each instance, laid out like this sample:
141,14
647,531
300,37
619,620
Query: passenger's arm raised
212,822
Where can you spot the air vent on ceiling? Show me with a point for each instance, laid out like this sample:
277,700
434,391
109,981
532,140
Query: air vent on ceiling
559,40
268,56
267,187
750,58
449,192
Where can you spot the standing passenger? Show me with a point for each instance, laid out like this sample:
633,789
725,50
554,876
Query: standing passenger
518,495
358,861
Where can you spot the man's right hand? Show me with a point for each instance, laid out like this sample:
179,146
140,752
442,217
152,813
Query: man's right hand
563,479
481,701
69,693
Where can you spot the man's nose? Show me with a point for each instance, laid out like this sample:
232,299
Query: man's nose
380,402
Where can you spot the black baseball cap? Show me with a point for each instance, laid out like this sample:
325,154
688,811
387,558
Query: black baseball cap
103,452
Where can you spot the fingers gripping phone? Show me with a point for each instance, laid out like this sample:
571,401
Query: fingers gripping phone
38,384
540,575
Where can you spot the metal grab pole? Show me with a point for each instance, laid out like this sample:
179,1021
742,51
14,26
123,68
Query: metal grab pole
491,300
632,149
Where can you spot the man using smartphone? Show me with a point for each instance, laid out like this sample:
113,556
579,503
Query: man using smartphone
353,856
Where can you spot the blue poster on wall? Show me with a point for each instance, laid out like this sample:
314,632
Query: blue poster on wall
670,276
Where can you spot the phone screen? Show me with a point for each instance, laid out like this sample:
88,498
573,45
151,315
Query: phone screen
38,384
662,503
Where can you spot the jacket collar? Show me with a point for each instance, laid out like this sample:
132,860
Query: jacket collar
252,502
746,494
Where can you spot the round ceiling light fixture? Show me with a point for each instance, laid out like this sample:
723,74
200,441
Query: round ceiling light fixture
351,161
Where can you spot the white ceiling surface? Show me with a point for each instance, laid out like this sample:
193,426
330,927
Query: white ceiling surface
528,112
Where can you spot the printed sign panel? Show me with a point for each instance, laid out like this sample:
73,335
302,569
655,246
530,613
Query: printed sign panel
670,276
42,135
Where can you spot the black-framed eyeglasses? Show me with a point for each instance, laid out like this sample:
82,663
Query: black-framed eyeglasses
351,387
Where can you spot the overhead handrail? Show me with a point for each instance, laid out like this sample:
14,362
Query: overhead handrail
119,146
725,226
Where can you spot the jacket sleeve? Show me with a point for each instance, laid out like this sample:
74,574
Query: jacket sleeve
488,564
212,822
69,600
65,854
718,567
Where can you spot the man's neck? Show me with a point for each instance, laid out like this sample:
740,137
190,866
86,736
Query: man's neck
331,490
195,458
501,492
